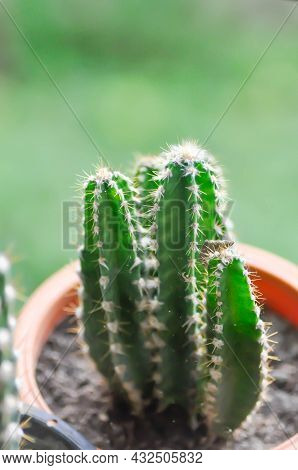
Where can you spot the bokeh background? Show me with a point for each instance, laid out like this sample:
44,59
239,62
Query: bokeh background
140,75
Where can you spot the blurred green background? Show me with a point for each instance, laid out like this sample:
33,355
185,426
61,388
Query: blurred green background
140,75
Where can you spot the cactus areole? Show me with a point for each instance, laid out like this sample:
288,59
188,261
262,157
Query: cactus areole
168,311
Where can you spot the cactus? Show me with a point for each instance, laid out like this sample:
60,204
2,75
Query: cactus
10,432
111,258
167,309
237,343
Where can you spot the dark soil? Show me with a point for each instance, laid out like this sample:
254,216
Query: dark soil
76,392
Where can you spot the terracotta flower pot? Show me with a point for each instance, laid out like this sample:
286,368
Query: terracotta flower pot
49,304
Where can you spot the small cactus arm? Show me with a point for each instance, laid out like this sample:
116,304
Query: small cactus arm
238,347
10,431
119,284
186,211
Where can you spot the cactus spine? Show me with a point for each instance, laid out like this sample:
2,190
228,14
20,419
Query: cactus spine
10,432
169,312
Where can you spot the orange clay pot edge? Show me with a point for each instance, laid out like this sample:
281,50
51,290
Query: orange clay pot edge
46,308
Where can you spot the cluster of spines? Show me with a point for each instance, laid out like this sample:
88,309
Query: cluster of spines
195,291
10,431
189,151
172,333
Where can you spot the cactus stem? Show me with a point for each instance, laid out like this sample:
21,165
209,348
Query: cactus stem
225,266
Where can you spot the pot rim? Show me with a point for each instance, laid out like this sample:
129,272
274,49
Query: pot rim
50,303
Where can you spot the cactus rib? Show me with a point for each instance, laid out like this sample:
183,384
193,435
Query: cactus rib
92,317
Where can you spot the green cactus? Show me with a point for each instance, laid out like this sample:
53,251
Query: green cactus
237,344
168,310
10,432
111,259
